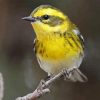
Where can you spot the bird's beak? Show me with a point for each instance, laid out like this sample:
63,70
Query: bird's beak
29,18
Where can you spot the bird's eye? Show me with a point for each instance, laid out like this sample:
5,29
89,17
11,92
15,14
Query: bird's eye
45,17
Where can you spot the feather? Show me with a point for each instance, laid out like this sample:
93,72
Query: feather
77,75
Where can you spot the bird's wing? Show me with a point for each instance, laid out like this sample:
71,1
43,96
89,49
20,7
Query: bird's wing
34,45
76,38
77,32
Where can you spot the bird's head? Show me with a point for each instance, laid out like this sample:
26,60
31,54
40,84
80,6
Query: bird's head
48,19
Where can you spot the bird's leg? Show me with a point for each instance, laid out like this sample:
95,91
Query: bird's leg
48,77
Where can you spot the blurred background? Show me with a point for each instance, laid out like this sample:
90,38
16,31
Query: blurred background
18,63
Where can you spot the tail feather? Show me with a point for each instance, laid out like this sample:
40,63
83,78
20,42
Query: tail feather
77,75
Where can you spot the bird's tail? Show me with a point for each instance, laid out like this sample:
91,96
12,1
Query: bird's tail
76,75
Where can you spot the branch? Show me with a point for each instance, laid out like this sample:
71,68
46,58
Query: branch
42,89
1,87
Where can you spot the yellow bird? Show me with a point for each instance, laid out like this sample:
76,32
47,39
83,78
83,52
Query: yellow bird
58,44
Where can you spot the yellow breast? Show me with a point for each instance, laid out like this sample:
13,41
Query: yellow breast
57,48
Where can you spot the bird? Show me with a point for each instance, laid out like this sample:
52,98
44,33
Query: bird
58,45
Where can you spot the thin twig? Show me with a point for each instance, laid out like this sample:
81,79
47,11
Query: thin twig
1,87
41,89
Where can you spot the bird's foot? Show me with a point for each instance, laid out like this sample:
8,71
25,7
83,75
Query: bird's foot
66,74
41,87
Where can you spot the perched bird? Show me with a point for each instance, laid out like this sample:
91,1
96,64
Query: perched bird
59,44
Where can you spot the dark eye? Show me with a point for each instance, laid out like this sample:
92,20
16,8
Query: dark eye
45,17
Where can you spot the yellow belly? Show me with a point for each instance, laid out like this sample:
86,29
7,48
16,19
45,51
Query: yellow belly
57,49
57,53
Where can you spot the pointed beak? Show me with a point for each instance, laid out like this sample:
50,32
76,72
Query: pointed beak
29,18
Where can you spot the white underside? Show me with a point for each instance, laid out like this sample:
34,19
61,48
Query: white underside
54,67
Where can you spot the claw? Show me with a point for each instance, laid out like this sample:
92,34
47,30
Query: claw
41,86
66,74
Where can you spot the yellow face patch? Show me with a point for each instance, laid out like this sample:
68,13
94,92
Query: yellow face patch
43,30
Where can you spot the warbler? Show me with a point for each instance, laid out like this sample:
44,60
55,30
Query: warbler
59,45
